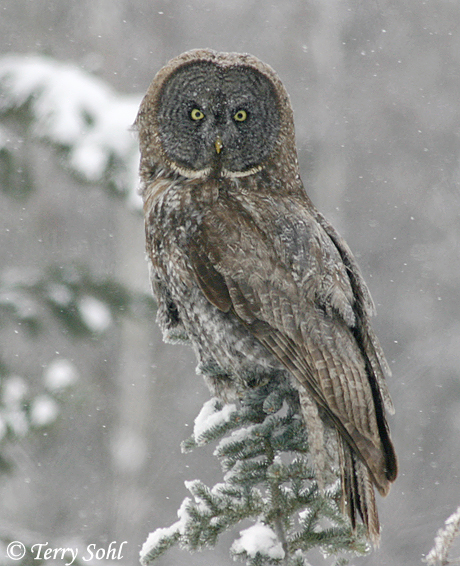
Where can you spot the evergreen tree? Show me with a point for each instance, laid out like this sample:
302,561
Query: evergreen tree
262,446
87,125
84,307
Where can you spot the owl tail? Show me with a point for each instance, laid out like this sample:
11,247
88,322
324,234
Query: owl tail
358,499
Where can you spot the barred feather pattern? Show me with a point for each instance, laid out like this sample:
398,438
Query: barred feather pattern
358,498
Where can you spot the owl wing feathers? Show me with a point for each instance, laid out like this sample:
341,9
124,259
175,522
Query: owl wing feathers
210,280
366,305
296,296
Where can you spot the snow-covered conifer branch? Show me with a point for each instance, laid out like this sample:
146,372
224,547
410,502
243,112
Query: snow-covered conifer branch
267,480
77,112
439,554
84,305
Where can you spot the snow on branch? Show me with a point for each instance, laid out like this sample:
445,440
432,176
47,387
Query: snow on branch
86,305
268,482
211,416
78,112
258,539
443,542
32,301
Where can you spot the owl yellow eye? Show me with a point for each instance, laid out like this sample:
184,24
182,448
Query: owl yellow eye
196,114
240,116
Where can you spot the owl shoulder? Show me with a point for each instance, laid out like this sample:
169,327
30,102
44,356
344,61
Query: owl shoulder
316,259
272,238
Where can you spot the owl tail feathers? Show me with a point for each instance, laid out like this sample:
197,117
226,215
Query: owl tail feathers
358,498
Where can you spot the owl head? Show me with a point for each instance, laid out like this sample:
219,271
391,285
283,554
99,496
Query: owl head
220,114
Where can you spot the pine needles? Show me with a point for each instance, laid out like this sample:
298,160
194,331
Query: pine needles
262,447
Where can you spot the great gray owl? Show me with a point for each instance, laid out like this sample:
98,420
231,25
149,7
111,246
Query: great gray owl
243,264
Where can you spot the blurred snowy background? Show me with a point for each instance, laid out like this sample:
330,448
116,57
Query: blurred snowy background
93,405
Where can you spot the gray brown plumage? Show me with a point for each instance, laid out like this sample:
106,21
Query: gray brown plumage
244,265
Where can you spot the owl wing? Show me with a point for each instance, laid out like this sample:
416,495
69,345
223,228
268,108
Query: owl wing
294,284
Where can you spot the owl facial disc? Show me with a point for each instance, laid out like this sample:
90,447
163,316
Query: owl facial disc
217,120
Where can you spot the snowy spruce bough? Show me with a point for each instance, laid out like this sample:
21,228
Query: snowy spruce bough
88,125
269,494
78,114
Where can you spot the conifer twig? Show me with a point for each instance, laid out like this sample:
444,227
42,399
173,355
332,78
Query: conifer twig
262,446
443,542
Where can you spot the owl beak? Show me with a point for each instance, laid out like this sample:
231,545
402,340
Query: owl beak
218,145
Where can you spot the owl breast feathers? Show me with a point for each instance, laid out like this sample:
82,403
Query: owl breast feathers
244,265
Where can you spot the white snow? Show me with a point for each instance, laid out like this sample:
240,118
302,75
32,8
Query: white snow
60,374
239,435
14,391
59,294
444,540
199,503
16,420
190,484
77,110
129,450
95,314
158,535
210,417
43,411
259,539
